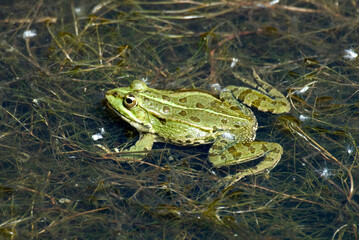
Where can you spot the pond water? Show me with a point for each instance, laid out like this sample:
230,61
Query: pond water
62,175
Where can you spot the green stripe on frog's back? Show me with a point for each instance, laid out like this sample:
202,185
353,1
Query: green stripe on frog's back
195,108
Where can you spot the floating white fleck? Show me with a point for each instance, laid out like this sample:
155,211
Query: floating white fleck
123,76
77,10
304,89
64,200
102,130
325,173
274,2
234,62
350,149
216,87
29,34
97,136
350,54
303,117
36,101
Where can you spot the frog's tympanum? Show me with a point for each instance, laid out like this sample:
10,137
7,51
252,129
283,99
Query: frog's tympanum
194,117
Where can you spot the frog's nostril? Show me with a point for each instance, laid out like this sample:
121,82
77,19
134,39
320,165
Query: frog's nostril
112,93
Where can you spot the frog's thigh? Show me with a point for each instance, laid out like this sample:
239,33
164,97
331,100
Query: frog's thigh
244,152
145,143
262,102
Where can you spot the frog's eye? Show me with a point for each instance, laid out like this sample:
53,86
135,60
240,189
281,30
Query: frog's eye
130,101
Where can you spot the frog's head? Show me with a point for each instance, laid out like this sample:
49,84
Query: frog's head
126,102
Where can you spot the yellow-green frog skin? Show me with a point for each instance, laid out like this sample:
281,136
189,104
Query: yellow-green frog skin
194,117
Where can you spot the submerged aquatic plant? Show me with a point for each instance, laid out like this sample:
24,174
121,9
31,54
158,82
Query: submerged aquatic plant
62,176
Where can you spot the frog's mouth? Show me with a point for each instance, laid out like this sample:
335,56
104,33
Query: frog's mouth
107,104
133,122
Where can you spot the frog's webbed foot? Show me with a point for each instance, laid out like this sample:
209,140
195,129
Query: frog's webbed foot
140,149
245,152
265,98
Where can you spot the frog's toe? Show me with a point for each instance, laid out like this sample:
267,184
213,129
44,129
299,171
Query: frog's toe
140,149
244,152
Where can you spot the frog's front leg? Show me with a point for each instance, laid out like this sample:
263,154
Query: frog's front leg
265,98
243,152
140,149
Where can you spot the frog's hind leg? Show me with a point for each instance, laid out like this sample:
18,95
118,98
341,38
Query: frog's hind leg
264,98
245,152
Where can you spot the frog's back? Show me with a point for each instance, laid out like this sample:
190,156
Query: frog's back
199,109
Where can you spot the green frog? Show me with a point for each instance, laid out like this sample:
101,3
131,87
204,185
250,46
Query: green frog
192,117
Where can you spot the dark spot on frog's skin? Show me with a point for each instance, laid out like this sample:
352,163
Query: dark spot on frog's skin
276,150
199,105
251,149
195,119
166,109
188,141
146,99
162,121
235,108
182,113
188,136
224,141
258,101
214,128
233,151
283,104
224,121
264,148
246,144
244,94
237,126
179,141
216,147
183,100
267,109
196,143
166,98
214,104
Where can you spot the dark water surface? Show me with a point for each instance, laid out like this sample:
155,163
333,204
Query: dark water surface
61,177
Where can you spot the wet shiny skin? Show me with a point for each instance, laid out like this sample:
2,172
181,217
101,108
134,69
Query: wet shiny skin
195,117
